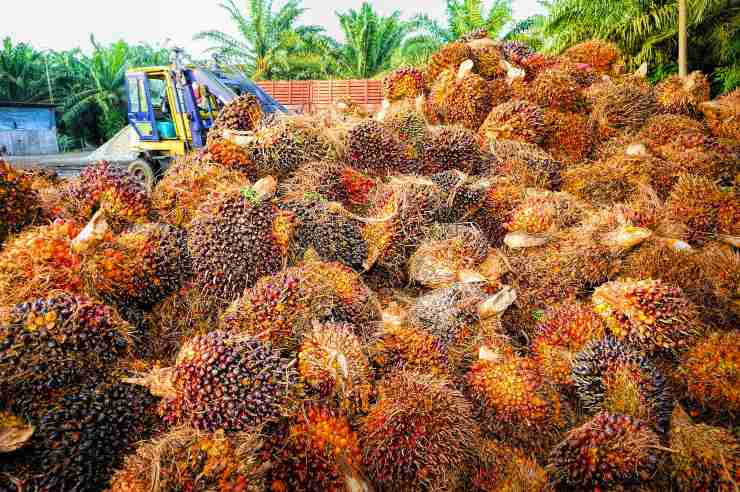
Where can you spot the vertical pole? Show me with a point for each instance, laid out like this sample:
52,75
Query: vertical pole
682,39
48,78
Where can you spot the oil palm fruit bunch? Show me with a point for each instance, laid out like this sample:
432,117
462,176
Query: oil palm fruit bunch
449,57
683,95
467,100
185,186
525,164
514,120
608,451
403,83
515,51
419,434
649,314
188,459
142,266
721,263
464,195
55,342
501,468
474,35
514,402
401,346
39,261
408,126
373,149
79,441
710,371
234,240
224,381
703,457
535,64
603,56
546,212
487,59
661,129
332,363
321,451
501,199
707,210
569,137
452,147
232,156
702,155
555,88
721,115
242,114
122,198
622,106
610,376
19,203
561,334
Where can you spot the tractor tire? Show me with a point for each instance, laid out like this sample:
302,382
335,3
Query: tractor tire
143,171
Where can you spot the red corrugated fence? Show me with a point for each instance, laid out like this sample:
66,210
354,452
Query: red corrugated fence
307,96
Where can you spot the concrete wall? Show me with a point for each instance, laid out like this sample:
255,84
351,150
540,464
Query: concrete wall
29,142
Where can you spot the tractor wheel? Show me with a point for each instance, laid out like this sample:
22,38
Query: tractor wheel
143,171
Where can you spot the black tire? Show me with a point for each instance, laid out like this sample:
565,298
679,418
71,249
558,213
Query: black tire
145,172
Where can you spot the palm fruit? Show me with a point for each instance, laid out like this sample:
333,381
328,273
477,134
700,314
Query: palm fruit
242,114
702,155
502,468
231,156
487,59
721,263
418,436
234,240
226,381
555,88
515,51
408,126
39,261
514,120
186,184
403,83
722,115
515,403
710,369
526,164
608,451
187,459
55,342
400,346
661,129
452,147
603,56
500,201
373,149
648,313
707,210
467,101
703,457
610,376
535,64
19,203
141,266
561,334
569,137
449,56
333,364
464,195
545,212
622,106
116,192
584,75
683,95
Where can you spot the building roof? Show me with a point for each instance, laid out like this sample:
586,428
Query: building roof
15,104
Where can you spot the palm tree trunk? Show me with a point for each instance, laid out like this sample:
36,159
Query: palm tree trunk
682,39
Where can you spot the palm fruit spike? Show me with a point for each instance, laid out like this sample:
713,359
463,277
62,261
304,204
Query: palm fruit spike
661,129
526,164
232,156
400,346
707,210
502,468
452,147
710,371
223,381
608,451
648,313
514,402
514,120
569,136
515,51
703,457
722,115
468,100
234,240
622,107
332,362
242,114
403,83
448,57
39,261
122,198
562,333
683,95
601,55
610,376
51,343
141,266
188,459
418,434
320,452
555,88
372,148
19,203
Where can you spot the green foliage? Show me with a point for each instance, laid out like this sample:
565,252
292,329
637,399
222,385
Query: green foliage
22,73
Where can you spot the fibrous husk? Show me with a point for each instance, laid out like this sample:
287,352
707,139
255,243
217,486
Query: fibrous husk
683,95
502,468
622,106
14,432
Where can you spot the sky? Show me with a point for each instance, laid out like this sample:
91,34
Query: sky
60,25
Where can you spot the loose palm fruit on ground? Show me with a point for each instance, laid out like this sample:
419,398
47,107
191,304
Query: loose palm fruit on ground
502,468
419,434
403,83
683,95
514,120
603,56
608,451
19,203
721,115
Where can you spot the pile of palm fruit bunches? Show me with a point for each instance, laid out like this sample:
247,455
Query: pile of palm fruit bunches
521,274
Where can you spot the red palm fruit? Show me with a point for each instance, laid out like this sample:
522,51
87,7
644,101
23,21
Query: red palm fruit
683,95
569,137
19,203
514,120
403,83
502,468
721,115
603,56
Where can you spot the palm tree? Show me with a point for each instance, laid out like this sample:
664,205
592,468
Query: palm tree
22,73
371,41
464,16
266,44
